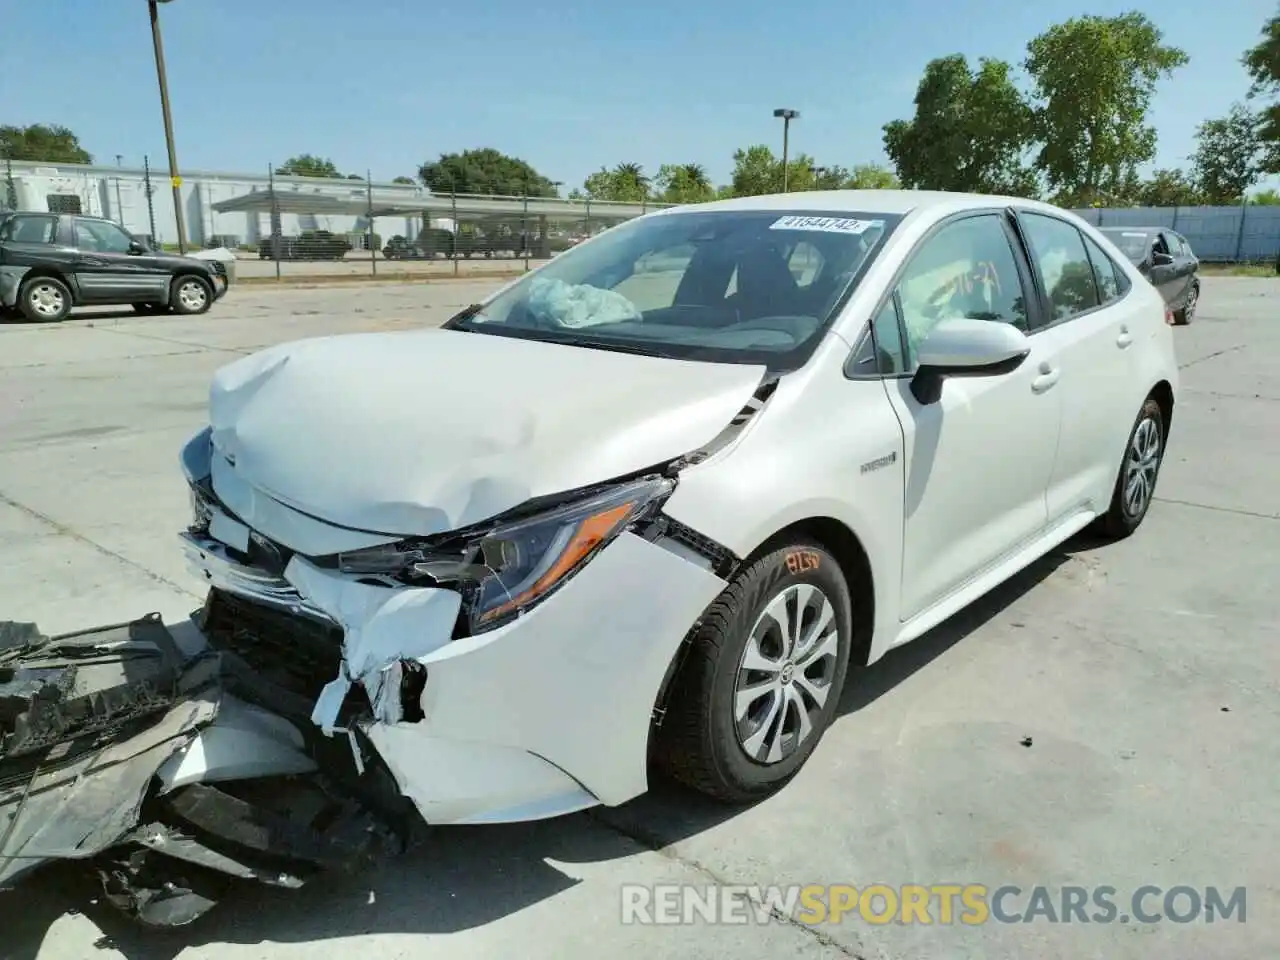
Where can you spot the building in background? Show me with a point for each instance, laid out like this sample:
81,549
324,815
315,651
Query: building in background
120,194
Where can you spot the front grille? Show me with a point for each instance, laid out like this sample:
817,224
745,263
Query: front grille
296,653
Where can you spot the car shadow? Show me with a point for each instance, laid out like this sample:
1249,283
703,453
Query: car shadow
459,878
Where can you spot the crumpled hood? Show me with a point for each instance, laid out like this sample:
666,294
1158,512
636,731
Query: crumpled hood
422,432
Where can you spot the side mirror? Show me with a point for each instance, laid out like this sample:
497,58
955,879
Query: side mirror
966,348
1161,259
137,246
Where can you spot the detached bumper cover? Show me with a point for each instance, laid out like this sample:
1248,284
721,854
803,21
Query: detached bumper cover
109,751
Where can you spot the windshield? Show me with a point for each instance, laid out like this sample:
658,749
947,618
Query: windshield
1134,244
732,286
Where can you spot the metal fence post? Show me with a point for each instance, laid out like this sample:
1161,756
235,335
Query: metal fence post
524,226
1174,225
151,207
1244,207
457,232
275,218
373,254
10,188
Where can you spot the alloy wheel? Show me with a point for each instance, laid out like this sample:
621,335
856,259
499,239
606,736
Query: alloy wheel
785,674
1141,467
192,295
46,300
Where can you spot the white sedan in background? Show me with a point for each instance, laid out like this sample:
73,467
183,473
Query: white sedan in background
660,499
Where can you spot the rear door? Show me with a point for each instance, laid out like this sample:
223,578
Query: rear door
31,240
112,269
1092,333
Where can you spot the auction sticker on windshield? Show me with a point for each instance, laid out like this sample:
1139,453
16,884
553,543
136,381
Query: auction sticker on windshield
825,224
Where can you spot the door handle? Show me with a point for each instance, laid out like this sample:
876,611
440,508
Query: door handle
92,262
1048,377
1125,339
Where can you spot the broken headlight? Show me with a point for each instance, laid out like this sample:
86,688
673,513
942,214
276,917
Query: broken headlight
509,567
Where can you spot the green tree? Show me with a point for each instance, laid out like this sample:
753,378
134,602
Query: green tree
683,183
625,182
1263,63
306,165
1168,188
1094,78
757,171
1229,157
971,131
484,171
39,141
407,180
1266,198
869,176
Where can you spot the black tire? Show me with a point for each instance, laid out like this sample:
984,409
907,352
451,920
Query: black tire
44,300
1188,312
190,295
1122,519
700,741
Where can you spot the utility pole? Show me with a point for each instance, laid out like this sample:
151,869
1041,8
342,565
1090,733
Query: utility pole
373,254
174,178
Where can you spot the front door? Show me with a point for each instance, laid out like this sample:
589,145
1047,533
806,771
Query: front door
111,268
977,461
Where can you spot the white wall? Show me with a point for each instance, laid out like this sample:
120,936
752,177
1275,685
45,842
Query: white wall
120,193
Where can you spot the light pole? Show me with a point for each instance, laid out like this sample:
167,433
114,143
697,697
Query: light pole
174,178
787,115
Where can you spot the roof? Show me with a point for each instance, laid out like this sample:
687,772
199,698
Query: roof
893,202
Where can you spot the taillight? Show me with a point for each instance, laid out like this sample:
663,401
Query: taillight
1168,316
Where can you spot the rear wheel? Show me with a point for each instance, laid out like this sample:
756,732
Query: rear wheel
1136,485
44,299
1187,313
762,679
191,295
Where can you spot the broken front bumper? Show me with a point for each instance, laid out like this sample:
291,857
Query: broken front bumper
111,742
543,716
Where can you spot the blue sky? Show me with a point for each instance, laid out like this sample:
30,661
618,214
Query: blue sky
569,85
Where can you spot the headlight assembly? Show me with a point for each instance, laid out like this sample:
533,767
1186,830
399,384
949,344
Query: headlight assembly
511,566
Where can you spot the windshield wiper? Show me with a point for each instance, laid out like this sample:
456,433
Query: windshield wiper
459,320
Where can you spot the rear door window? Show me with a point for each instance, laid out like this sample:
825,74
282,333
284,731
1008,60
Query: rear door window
1063,264
30,229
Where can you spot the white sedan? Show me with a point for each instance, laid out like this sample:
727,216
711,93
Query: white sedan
660,499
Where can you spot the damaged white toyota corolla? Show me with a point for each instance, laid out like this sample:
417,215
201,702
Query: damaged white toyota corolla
652,501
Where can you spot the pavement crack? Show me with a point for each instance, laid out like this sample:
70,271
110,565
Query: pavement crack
1208,506
655,844
1216,353
1230,396
66,531
173,340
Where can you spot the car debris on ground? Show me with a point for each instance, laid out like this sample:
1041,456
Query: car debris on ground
95,728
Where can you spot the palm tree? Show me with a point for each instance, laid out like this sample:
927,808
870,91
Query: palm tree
693,180
631,181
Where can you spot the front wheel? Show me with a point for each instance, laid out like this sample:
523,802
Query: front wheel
1136,485
191,295
761,681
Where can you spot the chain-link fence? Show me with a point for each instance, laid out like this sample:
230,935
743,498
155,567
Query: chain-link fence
1237,234
283,225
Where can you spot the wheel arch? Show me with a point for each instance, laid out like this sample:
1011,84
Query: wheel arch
48,272
838,539
1162,393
